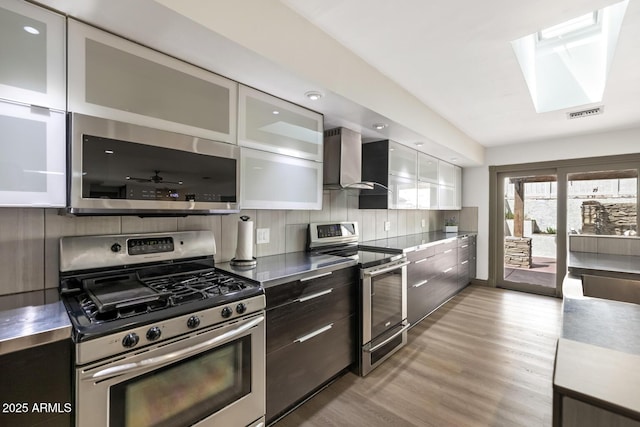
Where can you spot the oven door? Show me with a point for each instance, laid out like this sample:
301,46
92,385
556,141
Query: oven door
384,313
210,377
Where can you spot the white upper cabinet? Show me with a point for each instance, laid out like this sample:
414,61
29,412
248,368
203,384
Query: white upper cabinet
32,55
32,156
427,182
403,168
114,78
449,186
275,181
272,124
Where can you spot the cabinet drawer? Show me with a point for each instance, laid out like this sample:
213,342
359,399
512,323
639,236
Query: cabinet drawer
464,241
309,285
463,253
298,369
445,246
444,261
288,322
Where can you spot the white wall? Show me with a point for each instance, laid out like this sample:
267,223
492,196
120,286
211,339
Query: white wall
475,181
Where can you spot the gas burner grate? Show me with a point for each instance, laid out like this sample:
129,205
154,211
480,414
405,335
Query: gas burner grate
182,288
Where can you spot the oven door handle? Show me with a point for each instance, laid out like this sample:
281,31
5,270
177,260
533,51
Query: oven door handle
386,270
176,355
388,340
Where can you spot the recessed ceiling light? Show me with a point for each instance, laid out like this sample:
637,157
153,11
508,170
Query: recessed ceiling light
31,30
454,159
276,112
313,95
379,126
419,144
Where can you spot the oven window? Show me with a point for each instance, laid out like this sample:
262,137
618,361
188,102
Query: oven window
185,392
386,302
113,169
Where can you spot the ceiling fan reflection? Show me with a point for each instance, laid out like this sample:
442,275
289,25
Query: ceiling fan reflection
156,179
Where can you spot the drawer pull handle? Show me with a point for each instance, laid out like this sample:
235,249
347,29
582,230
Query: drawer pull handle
420,260
317,276
314,333
464,246
448,250
316,295
464,262
423,282
448,270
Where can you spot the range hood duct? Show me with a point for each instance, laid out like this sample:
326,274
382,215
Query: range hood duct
343,161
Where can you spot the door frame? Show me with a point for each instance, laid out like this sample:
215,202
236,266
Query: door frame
561,168
496,228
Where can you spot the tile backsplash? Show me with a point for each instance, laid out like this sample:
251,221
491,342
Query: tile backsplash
29,236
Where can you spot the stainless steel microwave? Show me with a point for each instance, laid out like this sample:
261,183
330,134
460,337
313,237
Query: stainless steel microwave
118,168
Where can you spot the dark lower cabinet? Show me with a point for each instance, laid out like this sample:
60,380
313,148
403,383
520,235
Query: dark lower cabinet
311,334
298,369
436,273
36,386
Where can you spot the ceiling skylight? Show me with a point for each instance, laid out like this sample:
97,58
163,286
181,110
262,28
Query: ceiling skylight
566,65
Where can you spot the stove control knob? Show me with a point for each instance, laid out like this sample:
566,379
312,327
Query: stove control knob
130,340
193,322
241,308
154,333
226,312
116,247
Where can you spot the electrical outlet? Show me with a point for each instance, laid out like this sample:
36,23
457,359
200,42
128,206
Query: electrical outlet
387,225
423,223
262,236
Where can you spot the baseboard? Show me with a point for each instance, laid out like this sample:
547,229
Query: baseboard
481,282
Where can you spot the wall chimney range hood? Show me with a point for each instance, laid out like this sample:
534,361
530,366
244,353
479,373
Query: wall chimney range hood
343,161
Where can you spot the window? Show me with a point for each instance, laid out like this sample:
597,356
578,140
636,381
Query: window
603,202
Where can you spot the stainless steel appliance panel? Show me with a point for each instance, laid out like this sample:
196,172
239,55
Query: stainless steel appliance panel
119,168
223,365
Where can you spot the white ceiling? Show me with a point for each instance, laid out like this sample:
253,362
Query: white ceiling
456,57
439,72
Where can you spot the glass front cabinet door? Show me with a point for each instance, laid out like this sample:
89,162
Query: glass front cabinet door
32,55
427,182
274,181
403,167
32,156
277,126
117,79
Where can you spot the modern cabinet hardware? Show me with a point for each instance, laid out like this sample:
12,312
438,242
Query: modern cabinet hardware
313,296
314,333
420,283
318,276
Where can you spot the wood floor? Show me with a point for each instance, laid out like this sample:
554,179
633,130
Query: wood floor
483,359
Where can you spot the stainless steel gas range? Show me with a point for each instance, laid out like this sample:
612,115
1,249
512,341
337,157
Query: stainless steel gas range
161,336
382,298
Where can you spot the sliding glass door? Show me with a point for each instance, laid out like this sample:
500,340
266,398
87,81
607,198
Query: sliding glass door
527,239
539,211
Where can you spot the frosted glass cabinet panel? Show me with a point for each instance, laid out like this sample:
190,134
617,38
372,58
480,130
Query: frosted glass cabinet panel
403,192
427,195
427,168
403,161
450,196
274,181
446,174
114,78
32,55
32,156
272,124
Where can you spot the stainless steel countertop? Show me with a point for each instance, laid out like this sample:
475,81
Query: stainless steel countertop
26,327
277,269
599,322
412,242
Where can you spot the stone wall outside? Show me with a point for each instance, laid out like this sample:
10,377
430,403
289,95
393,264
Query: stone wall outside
517,251
611,219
